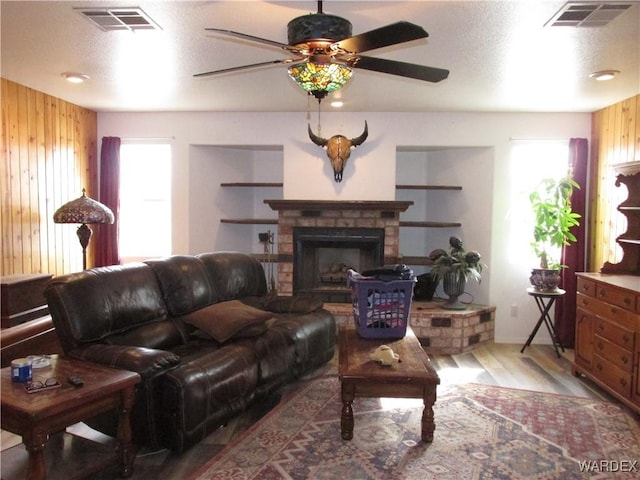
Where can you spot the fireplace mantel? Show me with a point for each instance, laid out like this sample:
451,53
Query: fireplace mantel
383,205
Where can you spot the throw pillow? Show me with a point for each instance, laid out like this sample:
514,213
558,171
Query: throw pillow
224,320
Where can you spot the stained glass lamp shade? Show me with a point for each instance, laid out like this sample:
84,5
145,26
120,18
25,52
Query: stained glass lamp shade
83,210
320,78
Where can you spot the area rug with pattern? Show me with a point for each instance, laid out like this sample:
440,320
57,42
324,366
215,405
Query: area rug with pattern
482,432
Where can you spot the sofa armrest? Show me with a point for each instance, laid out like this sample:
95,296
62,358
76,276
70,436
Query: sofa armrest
146,362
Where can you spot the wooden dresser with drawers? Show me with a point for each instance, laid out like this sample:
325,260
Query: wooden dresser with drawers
607,346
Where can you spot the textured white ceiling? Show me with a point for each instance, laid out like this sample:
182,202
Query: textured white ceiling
500,54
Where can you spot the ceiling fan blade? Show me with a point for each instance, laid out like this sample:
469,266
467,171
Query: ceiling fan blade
393,34
243,67
253,38
402,69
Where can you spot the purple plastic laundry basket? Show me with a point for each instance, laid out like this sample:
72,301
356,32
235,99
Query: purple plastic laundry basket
380,309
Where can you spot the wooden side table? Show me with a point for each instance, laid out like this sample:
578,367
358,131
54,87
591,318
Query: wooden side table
35,416
360,376
545,308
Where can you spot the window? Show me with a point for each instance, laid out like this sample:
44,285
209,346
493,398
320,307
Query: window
145,201
531,162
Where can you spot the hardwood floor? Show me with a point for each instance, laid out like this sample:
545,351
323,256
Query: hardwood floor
538,368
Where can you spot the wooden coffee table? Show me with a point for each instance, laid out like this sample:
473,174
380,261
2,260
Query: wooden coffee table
360,376
35,416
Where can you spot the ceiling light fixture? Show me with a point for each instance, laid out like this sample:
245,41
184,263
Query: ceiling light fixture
603,75
337,104
75,77
320,78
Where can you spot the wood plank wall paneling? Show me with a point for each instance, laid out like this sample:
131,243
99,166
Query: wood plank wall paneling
49,154
615,138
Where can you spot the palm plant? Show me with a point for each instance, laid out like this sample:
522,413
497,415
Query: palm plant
554,218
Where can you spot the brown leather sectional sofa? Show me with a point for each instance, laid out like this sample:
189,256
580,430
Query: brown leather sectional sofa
200,330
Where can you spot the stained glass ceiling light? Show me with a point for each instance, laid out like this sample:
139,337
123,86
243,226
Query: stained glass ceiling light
318,79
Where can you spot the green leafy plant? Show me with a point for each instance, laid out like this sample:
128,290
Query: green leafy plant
554,218
457,260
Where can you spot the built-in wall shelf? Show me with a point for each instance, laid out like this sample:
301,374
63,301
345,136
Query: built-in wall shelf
252,184
250,221
428,187
275,258
429,224
306,205
406,259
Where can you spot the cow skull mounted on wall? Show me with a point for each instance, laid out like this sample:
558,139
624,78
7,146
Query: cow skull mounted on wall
339,149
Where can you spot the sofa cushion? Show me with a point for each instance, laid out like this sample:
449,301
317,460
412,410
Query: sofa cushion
184,283
313,335
234,275
226,320
91,305
163,335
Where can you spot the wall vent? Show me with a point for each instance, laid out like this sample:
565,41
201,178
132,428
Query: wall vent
119,18
587,14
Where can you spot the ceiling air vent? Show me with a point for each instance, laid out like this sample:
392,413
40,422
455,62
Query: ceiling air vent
587,14
119,18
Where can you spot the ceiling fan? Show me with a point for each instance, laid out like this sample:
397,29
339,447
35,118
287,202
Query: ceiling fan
324,52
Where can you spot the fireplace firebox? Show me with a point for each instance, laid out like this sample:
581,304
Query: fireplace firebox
322,256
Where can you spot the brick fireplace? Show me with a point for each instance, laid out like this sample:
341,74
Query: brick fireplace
439,331
322,256
337,217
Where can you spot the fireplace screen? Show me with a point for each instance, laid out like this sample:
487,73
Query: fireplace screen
322,256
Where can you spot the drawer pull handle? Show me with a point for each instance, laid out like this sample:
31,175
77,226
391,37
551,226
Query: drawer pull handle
599,345
623,382
601,327
626,338
603,292
599,366
614,310
627,301
624,359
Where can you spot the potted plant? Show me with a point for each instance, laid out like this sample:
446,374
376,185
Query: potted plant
455,268
553,220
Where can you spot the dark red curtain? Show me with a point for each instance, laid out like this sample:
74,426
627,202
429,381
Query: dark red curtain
106,237
573,255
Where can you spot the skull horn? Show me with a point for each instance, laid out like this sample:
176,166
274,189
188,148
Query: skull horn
360,140
321,142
